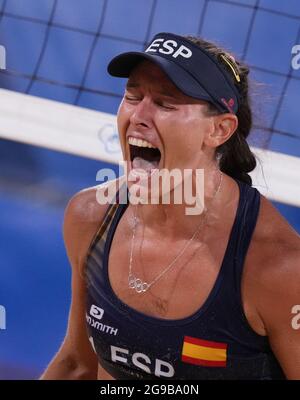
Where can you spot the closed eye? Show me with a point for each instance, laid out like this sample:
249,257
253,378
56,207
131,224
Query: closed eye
165,106
131,98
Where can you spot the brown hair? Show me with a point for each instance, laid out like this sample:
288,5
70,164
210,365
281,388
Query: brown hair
235,156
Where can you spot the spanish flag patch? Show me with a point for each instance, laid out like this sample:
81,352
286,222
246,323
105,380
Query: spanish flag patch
203,352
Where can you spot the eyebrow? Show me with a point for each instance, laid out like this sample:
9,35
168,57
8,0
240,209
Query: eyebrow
131,84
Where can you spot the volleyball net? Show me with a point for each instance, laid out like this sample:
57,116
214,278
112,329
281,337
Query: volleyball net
57,94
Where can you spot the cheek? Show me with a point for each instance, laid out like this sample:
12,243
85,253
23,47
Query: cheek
123,120
196,130
186,138
121,115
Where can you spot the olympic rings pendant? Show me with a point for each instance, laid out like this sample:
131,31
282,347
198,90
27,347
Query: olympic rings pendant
137,284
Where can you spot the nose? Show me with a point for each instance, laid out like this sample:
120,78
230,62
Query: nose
142,114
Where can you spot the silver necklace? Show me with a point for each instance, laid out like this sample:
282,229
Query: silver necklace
136,283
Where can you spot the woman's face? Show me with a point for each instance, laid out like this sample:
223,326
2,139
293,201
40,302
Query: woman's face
153,109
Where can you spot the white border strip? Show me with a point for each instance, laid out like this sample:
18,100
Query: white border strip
58,126
92,134
277,176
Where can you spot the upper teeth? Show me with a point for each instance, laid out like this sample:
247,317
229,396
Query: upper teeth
140,142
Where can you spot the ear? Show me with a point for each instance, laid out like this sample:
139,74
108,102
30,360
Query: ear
223,127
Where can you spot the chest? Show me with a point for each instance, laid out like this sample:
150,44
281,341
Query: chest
180,281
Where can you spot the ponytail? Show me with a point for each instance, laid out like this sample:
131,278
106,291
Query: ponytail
235,157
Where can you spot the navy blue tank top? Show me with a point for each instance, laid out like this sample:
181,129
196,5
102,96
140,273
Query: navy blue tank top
216,342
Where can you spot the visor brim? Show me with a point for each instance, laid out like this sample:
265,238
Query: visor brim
123,64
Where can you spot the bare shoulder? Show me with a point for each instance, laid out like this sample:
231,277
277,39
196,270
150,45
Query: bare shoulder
83,216
276,239
275,264
84,205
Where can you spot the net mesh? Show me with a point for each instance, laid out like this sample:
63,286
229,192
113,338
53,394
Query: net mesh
59,49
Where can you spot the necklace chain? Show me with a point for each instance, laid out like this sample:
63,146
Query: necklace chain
136,283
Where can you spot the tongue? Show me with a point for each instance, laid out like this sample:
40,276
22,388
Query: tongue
145,165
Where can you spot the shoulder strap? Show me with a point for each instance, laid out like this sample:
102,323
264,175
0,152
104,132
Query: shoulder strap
250,204
120,197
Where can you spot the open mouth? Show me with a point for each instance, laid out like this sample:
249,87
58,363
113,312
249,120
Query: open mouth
142,156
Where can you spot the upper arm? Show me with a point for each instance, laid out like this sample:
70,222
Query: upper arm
281,293
82,218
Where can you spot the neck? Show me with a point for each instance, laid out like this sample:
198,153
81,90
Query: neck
172,220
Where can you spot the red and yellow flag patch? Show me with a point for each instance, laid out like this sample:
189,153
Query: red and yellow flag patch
203,352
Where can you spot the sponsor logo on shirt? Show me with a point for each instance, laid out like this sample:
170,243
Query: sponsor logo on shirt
96,312
93,319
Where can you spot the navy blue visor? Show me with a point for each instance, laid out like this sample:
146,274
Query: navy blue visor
193,70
